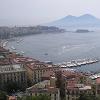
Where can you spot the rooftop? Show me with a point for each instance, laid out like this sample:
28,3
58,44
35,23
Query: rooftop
43,86
21,59
12,98
98,80
37,65
3,49
11,68
5,61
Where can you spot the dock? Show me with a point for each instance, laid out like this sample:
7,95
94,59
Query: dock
78,63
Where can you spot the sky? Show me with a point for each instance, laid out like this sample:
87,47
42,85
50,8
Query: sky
34,12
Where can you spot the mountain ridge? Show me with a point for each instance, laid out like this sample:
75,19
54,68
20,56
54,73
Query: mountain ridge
86,20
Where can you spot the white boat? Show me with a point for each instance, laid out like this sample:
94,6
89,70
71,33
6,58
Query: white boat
5,44
12,47
79,62
18,41
22,52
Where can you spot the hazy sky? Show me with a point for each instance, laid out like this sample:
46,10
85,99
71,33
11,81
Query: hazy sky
41,11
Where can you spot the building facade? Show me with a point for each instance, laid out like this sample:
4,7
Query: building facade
46,87
12,73
36,70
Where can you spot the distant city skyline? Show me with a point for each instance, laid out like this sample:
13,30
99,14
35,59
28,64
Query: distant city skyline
34,12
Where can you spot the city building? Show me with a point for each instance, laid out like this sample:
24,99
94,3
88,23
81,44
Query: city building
75,82
44,78
12,73
36,69
46,87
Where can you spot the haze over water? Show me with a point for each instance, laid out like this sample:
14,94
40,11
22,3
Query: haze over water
60,47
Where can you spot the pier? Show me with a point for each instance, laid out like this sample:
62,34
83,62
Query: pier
78,63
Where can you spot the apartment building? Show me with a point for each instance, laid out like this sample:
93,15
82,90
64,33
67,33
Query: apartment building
12,73
46,87
36,69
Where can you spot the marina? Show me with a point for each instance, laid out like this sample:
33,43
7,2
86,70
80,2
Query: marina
78,63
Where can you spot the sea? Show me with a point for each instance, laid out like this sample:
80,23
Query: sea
60,47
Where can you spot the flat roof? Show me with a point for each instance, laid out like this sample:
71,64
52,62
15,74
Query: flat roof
12,68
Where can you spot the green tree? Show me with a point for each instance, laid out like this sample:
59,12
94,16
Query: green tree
85,96
3,95
10,87
40,97
60,83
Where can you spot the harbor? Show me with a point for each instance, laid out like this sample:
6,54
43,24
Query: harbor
78,63
59,52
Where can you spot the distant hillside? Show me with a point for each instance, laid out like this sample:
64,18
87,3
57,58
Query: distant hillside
86,20
9,32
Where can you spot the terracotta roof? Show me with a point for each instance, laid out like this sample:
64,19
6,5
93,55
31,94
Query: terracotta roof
37,65
44,90
98,80
12,98
67,74
5,62
21,59
3,49
71,74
